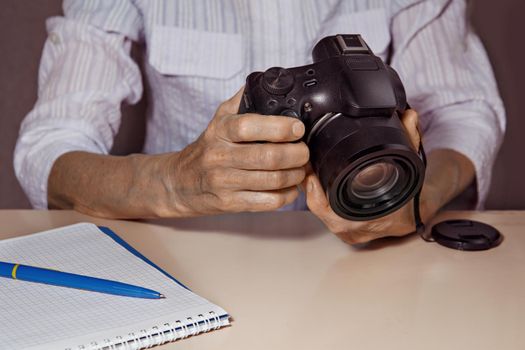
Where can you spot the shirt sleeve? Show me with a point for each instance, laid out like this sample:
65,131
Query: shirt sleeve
85,74
449,81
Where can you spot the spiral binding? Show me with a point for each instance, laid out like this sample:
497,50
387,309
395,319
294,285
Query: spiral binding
158,335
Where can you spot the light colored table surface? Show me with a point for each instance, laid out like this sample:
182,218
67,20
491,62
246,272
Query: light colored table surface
290,284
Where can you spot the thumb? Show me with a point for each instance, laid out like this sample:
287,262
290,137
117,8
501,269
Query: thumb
410,120
315,196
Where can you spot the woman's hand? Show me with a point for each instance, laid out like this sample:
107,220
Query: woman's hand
241,162
448,173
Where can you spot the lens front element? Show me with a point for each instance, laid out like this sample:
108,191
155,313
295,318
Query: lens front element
374,181
374,187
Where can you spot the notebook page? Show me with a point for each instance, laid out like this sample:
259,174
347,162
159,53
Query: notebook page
48,317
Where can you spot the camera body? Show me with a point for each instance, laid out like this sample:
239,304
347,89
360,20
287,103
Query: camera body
350,103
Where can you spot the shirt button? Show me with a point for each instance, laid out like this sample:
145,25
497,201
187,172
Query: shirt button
54,38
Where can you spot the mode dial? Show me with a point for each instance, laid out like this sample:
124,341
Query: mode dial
278,81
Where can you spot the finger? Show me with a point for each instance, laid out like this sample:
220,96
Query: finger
410,120
251,127
315,197
271,200
258,200
348,231
268,156
254,180
231,106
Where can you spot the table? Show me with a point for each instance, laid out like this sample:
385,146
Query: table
290,284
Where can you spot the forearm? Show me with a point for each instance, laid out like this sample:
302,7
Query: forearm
133,186
448,174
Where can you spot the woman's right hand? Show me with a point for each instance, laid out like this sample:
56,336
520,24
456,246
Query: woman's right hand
241,162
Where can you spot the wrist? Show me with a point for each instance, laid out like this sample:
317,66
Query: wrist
175,187
448,174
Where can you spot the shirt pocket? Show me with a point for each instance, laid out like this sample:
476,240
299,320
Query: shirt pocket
373,25
189,52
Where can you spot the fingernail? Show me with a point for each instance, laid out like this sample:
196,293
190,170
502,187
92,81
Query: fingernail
298,129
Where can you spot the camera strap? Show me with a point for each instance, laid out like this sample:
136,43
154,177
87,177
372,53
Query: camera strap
420,226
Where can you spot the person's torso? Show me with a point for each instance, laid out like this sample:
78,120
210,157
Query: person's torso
198,53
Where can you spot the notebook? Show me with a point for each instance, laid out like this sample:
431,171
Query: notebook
37,316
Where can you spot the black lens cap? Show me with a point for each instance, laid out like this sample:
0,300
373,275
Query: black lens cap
466,235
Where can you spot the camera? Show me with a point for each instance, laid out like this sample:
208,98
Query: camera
350,102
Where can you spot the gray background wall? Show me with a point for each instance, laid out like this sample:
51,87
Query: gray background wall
500,25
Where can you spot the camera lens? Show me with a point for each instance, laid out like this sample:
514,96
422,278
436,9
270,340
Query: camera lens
373,187
374,181
367,166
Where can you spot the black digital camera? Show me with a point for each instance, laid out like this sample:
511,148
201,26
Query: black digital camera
350,103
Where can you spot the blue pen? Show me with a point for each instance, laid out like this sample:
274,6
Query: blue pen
71,280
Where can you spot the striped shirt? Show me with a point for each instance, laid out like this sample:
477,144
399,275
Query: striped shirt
198,53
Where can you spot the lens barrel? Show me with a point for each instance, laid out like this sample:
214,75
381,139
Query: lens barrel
367,165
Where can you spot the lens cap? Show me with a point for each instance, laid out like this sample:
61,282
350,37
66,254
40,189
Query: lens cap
466,235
